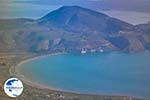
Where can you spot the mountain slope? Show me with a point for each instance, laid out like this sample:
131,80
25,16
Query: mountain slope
72,29
85,21
77,18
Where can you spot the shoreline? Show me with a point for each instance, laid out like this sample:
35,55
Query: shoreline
28,81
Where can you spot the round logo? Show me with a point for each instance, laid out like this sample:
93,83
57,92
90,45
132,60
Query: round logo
13,87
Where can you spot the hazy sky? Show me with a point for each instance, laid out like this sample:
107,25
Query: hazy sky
38,8
96,4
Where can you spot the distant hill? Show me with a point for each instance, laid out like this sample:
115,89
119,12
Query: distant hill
77,18
72,29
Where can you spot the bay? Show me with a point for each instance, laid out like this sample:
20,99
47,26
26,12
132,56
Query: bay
97,73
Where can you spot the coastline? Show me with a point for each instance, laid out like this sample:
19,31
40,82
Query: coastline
29,82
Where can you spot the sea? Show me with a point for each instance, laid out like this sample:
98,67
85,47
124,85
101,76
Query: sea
112,73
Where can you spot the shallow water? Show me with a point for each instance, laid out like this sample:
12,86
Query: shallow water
99,73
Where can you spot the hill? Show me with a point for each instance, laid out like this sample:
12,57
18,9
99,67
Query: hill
72,29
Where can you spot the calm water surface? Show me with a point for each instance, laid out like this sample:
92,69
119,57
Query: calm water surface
105,73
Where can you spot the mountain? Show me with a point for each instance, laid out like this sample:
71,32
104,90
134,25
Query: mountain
76,18
145,30
72,29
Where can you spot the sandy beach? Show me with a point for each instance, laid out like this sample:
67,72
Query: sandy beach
29,81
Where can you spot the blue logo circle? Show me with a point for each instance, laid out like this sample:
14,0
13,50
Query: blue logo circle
13,87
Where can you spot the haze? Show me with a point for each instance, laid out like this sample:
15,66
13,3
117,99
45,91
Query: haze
38,8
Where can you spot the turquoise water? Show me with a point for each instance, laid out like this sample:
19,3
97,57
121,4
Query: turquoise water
99,73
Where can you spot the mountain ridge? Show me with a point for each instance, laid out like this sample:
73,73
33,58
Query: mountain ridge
79,17
72,29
